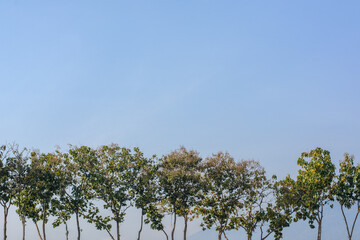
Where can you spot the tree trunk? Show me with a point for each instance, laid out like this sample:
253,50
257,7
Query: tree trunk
352,229
118,229
185,227
219,235
249,235
112,237
44,225
23,227
345,220
6,211
173,230
268,234
167,237
141,224
319,221
78,225
66,231
38,230
319,231
225,235
350,232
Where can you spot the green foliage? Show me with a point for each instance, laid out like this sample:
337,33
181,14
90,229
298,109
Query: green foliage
43,184
225,193
45,181
111,176
6,189
256,189
314,184
13,176
224,187
6,186
180,181
19,169
75,195
347,189
278,213
144,187
154,218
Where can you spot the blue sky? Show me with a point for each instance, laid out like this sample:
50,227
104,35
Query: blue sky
259,79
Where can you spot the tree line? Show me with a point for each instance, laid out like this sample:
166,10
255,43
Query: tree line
223,193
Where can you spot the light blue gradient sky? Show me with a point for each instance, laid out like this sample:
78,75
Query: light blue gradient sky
259,79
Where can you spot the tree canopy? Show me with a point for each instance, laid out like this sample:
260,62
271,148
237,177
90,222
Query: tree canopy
224,193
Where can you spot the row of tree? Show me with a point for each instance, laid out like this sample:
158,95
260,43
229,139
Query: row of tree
225,194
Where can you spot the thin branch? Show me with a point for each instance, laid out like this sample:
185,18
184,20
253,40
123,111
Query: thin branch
357,214
346,223
110,234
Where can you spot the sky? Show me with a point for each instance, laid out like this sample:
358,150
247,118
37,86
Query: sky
263,80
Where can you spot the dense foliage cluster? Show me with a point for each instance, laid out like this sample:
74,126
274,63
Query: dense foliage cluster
225,194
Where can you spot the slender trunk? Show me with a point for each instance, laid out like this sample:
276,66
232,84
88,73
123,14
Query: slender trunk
225,235
38,230
22,217
23,227
319,221
357,214
78,224
263,238
67,231
248,234
43,223
167,237
219,235
141,224
185,227
350,233
173,230
118,229
6,210
319,231
345,220
112,237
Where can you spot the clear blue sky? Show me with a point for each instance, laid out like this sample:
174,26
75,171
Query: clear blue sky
259,79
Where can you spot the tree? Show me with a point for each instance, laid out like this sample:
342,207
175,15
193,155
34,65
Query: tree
154,217
314,184
45,183
278,213
74,194
60,211
347,190
222,193
145,188
6,190
19,168
257,189
180,180
111,177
